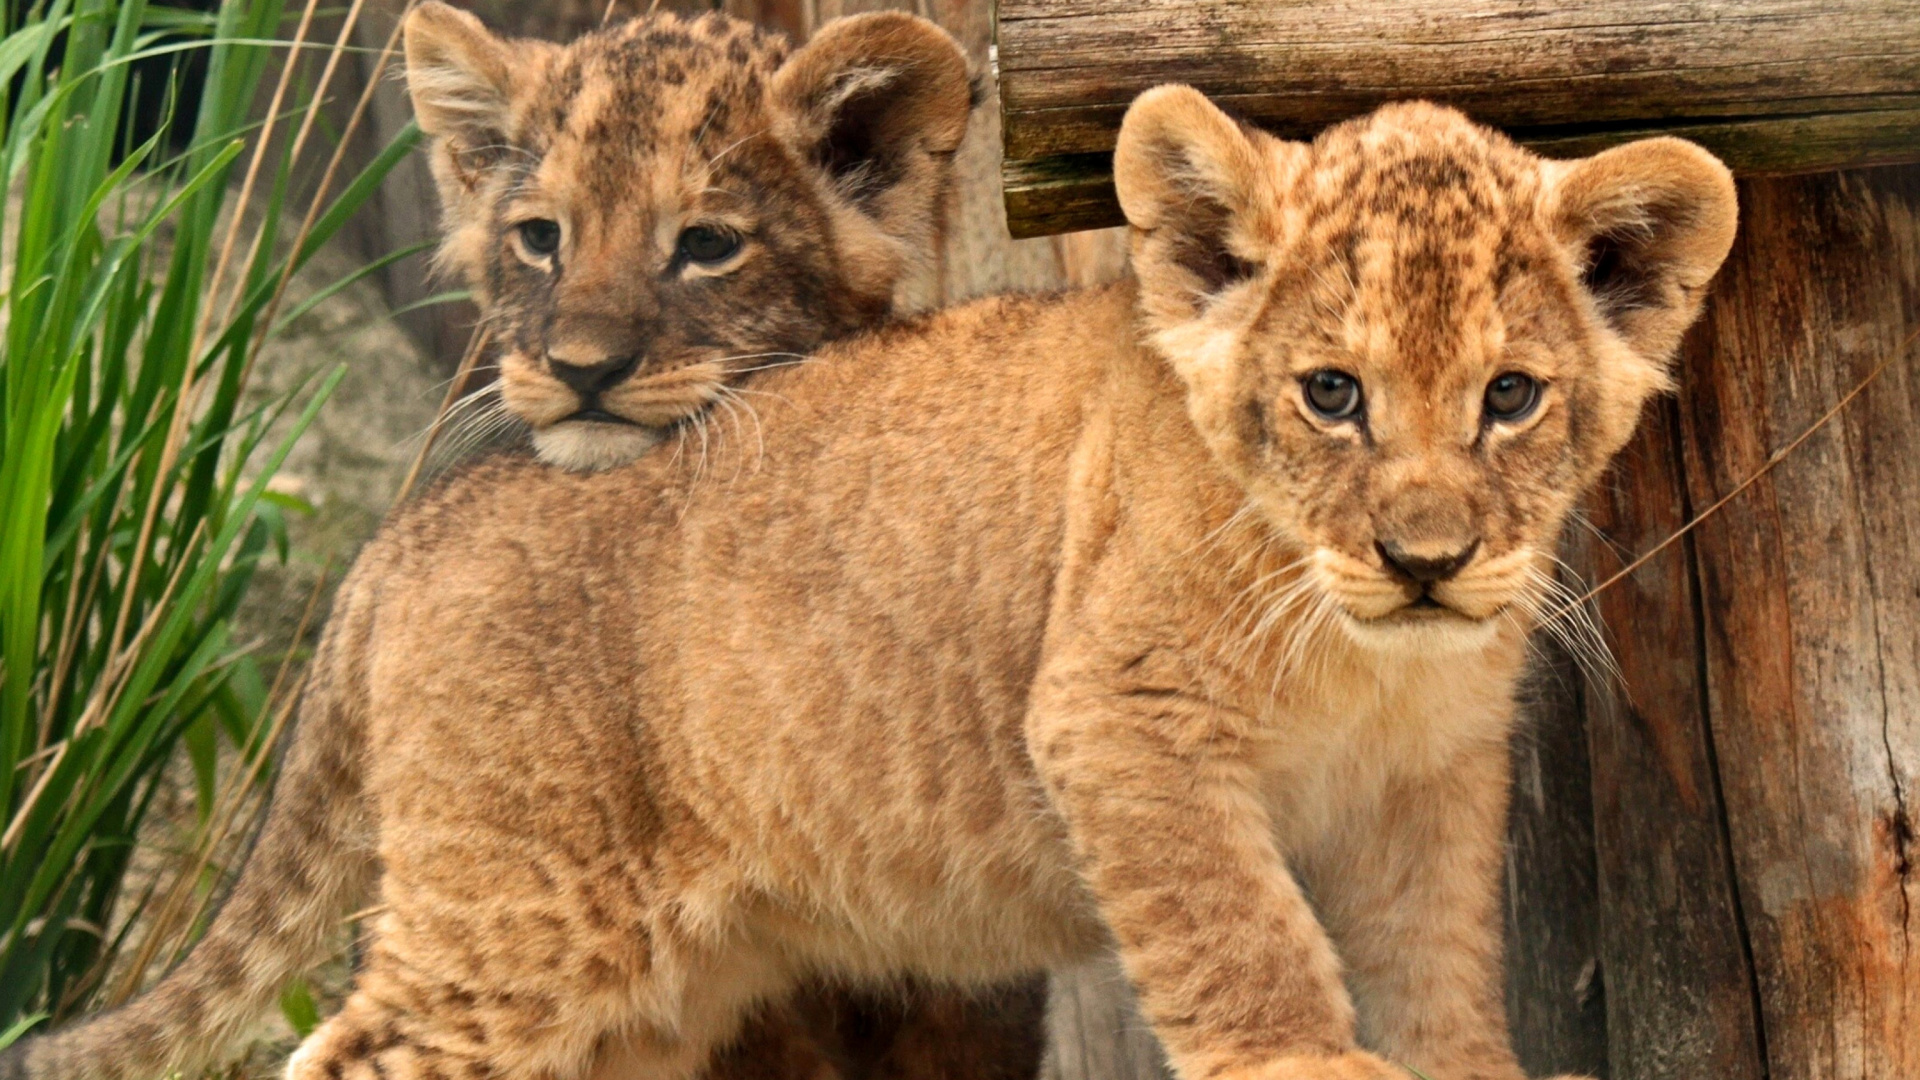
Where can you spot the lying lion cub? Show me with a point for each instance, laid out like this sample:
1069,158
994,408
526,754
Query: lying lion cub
1122,618
656,211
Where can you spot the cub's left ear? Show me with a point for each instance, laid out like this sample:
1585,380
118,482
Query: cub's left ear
879,102
1201,193
1649,223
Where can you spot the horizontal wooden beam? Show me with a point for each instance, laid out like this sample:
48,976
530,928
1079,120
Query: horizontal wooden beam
1772,86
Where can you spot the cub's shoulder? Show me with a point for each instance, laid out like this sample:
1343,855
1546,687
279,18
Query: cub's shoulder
477,510
1001,325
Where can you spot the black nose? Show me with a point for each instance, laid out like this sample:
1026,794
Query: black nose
588,380
1425,569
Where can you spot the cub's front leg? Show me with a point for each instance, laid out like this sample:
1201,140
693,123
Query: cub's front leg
1232,968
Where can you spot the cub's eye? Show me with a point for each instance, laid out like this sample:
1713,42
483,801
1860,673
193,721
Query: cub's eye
541,236
706,244
1512,396
1335,395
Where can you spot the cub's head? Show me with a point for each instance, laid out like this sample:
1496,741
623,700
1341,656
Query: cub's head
664,205
1414,343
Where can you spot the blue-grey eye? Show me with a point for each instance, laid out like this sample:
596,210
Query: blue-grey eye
541,236
707,244
1512,396
1333,394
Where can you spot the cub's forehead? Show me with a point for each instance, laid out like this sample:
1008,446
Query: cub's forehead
654,83
1424,233
1419,172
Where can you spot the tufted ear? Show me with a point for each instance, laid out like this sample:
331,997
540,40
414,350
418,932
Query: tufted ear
459,74
1649,224
1201,192
879,103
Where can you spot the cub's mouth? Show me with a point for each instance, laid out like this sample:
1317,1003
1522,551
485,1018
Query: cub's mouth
1425,608
596,415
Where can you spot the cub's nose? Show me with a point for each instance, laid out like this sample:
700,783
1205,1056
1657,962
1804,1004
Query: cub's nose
1426,563
588,380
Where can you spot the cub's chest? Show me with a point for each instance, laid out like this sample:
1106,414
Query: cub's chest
1334,746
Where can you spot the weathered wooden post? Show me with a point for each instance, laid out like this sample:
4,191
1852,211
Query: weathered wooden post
1714,862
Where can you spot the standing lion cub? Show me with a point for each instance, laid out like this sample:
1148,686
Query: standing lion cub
1128,618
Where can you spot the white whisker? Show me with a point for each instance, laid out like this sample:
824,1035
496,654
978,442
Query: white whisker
759,434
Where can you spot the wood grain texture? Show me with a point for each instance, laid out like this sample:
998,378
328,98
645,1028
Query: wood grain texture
1810,587
1095,1030
1680,991
1556,988
1773,86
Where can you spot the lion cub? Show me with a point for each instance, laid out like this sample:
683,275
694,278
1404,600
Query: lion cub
1126,618
656,210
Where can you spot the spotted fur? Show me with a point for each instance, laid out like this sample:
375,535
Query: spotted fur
828,165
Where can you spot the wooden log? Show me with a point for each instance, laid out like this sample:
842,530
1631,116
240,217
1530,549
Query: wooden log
1095,1030
1773,86
1679,985
1556,990
1810,611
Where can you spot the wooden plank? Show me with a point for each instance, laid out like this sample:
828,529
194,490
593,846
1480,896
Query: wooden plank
1810,587
1680,989
1556,991
1776,86
1095,1030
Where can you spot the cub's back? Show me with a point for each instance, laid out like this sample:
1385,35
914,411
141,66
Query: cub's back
838,609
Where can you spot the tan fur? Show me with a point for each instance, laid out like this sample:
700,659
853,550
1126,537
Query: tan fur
1039,626
830,164
626,135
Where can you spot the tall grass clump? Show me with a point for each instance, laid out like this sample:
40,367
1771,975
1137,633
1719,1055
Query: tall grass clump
141,273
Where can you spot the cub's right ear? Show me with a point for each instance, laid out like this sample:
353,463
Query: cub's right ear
879,103
1201,194
459,75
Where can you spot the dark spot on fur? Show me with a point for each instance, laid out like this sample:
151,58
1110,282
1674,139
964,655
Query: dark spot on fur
602,974
1255,419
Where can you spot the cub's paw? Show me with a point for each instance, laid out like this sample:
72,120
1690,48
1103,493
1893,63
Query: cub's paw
1352,1065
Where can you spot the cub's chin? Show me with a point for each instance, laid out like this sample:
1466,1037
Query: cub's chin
590,445
1423,630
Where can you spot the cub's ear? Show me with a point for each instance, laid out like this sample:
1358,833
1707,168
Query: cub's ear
1201,193
1648,224
879,103
460,76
